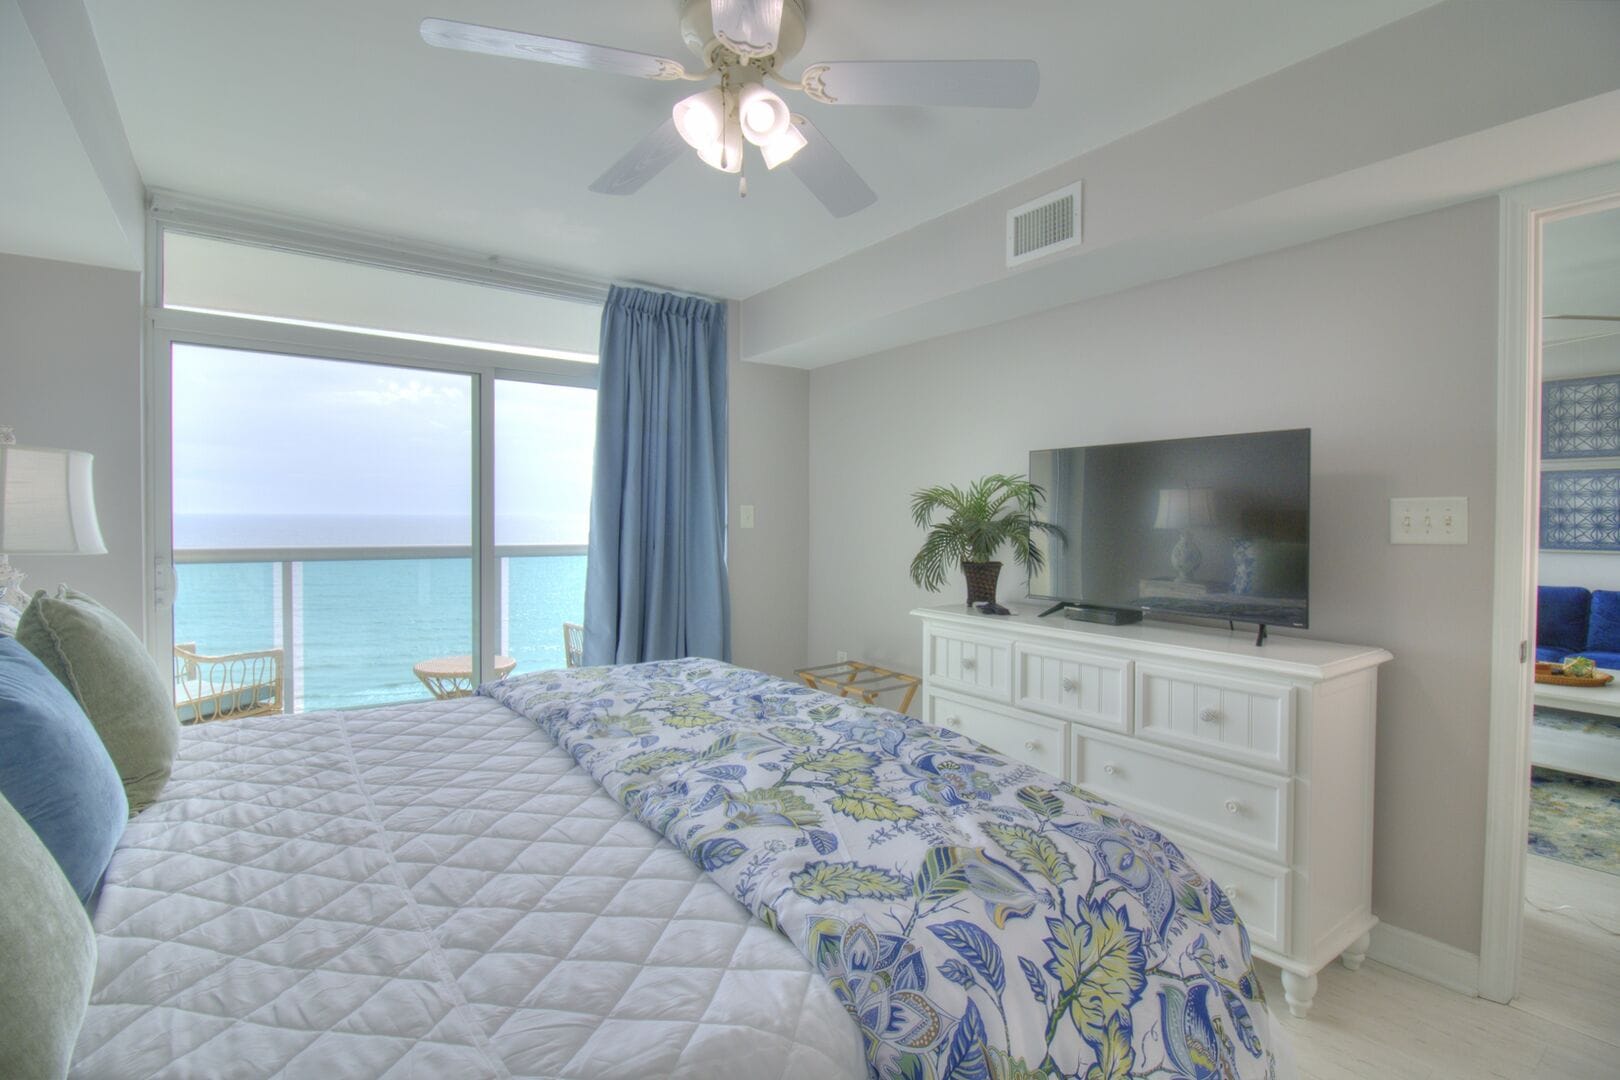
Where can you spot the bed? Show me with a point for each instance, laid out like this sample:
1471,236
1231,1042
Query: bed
510,885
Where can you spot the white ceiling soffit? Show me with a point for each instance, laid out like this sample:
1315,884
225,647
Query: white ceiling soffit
340,112
1456,102
56,205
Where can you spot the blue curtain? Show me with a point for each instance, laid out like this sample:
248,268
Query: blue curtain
655,584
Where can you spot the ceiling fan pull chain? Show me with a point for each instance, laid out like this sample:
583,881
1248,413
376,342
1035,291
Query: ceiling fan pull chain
742,187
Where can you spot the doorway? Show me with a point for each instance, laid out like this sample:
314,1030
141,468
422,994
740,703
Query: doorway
1571,939
1551,911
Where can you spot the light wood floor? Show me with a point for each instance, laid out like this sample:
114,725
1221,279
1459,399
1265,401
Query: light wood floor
1379,1022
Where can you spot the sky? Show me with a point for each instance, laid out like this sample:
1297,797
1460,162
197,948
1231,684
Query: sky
302,451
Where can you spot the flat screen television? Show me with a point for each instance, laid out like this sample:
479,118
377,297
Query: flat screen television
1216,527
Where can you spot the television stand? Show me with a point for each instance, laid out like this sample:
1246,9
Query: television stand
1258,761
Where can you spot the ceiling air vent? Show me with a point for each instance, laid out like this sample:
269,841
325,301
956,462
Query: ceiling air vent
1049,224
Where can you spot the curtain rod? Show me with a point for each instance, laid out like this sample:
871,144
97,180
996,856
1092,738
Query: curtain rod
306,236
634,284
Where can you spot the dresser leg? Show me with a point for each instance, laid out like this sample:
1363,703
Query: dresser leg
1300,990
1356,953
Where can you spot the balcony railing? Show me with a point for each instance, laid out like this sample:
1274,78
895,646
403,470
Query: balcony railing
352,622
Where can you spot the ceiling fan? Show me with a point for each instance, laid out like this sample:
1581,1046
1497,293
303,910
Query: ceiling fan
742,44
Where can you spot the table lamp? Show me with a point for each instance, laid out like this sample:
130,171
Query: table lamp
47,507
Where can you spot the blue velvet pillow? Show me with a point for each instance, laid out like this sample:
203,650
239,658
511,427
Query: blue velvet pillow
1603,626
55,771
1561,613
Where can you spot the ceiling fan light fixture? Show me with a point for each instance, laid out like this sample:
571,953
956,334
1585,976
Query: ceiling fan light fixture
763,114
701,121
783,147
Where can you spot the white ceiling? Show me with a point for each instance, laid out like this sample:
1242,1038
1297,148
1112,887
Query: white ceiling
337,111
54,207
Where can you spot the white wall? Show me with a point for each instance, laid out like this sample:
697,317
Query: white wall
1570,360
1383,341
768,564
70,376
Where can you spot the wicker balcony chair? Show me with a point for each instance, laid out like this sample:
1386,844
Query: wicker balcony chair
574,644
226,687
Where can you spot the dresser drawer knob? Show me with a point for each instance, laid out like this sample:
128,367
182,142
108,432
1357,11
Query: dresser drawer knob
953,721
968,663
1233,806
1232,892
1211,715
1110,768
1071,685
1031,745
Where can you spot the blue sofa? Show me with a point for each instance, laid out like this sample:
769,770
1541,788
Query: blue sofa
1571,621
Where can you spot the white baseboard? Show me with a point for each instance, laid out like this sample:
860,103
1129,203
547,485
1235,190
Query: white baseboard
1446,965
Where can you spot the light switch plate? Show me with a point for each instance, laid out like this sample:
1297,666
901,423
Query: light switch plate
745,514
1437,520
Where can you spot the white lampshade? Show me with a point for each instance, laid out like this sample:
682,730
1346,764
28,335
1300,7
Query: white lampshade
783,147
1185,507
706,121
763,114
47,503
701,118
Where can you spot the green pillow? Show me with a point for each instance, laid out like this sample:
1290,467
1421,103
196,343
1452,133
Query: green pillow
116,683
47,956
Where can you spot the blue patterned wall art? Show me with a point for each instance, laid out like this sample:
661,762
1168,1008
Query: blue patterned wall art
1580,510
1580,418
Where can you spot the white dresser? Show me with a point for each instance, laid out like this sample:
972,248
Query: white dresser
1257,761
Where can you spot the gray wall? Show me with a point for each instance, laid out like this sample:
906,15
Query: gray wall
768,564
1383,341
70,376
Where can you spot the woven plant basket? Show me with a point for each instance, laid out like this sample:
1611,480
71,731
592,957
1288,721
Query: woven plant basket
981,581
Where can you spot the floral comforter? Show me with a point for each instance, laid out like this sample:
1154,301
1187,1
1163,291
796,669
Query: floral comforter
980,919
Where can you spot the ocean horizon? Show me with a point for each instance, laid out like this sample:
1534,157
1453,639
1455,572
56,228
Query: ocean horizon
360,625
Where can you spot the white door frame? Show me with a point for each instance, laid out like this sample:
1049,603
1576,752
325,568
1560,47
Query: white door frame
1524,210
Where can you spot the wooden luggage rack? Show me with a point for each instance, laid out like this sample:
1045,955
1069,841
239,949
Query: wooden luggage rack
854,678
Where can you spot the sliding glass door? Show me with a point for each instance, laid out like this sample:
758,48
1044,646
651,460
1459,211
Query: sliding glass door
338,511
545,437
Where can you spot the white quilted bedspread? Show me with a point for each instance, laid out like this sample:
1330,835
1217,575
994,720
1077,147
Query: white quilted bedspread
429,891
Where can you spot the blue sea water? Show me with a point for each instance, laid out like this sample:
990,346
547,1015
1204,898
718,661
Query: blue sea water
359,626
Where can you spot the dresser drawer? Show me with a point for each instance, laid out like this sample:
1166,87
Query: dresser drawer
1259,893
1037,741
1073,685
980,666
1242,720
1223,802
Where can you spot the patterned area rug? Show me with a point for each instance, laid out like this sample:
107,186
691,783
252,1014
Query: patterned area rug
1575,819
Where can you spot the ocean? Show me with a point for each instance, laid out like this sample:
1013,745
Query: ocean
360,626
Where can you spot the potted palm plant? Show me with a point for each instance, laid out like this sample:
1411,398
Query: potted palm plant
978,521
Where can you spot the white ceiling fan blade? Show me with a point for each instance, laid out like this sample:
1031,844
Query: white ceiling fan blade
1585,318
468,37
645,160
996,84
749,27
822,169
